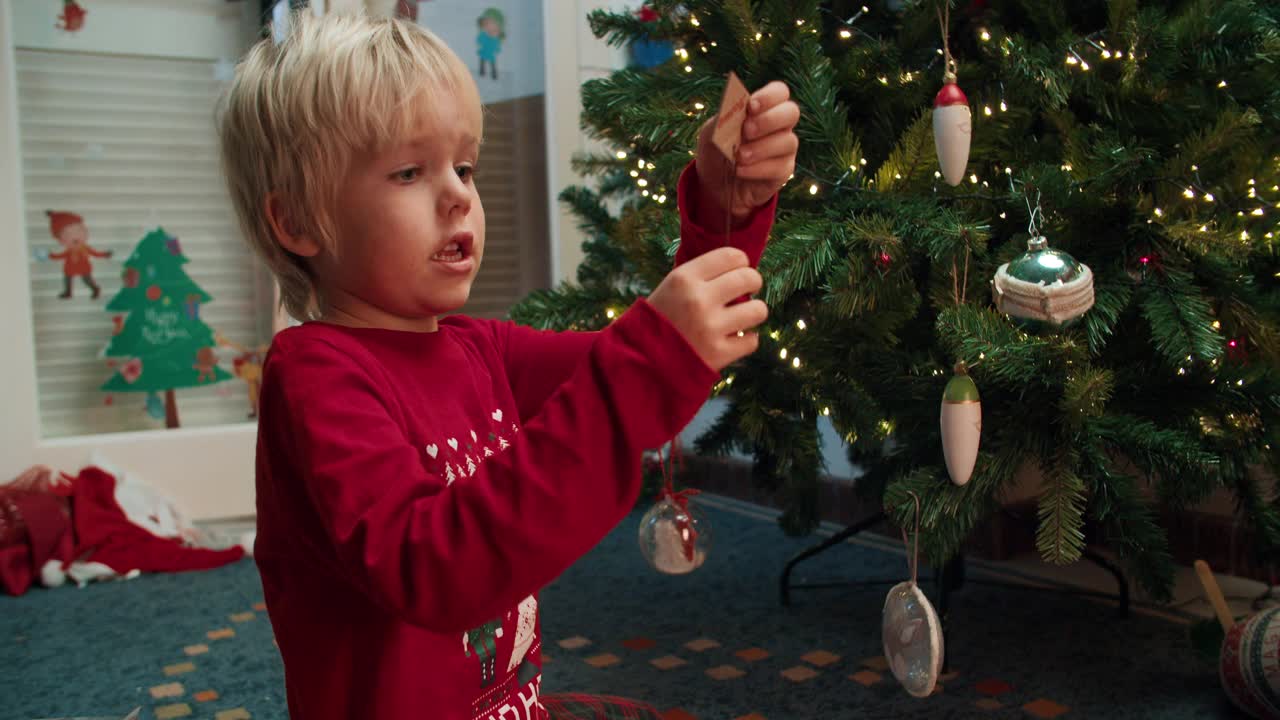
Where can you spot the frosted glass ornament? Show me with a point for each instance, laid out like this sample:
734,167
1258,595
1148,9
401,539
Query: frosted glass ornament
912,638
910,632
674,536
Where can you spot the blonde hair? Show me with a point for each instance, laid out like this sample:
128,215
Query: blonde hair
299,109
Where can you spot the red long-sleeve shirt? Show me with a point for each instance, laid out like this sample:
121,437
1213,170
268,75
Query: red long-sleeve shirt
416,490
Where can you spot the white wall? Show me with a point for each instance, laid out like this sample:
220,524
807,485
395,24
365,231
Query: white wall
574,56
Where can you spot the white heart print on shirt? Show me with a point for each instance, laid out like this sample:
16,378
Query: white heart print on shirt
432,450
497,415
453,443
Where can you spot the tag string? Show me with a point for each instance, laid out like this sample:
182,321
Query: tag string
731,186
914,562
944,21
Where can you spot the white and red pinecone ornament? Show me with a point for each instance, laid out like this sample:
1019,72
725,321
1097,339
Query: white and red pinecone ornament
952,129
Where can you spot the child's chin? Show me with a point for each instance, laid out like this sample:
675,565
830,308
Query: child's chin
451,304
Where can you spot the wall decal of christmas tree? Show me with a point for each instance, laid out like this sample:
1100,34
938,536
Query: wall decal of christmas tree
164,343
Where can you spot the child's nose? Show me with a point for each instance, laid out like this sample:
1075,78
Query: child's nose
457,197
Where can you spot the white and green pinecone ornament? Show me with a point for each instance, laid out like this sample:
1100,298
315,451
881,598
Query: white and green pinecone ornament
961,425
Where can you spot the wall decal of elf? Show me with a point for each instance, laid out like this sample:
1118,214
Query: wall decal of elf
69,230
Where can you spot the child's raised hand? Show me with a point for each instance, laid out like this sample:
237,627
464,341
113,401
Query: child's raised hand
766,156
695,298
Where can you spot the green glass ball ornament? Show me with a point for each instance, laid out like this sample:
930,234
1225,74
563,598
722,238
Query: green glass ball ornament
1043,288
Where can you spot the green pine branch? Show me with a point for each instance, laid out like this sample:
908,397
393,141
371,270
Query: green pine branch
1060,534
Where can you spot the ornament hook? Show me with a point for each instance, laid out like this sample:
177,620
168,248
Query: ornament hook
1036,215
914,562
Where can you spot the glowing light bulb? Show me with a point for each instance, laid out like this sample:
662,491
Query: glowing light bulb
986,110
845,34
622,155
813,189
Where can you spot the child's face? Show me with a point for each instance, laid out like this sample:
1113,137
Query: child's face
74,235
490,26
410,227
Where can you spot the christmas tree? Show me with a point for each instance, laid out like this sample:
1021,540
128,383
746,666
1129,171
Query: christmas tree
1137,138
166,344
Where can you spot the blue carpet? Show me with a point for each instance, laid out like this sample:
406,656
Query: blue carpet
714,645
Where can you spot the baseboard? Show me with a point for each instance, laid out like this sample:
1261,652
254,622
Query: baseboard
1221,541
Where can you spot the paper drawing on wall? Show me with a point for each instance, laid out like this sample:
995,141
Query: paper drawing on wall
248,367
69,230
647,52
167,346
72,17
493,31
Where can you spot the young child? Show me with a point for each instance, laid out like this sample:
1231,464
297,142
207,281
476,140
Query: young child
420,479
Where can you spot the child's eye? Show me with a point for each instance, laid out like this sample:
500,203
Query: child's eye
466,172
407,175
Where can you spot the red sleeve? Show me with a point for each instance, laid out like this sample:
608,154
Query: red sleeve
448,557
702,226
537,361
97,253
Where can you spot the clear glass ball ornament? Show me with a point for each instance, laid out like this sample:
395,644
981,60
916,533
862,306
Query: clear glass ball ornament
912,638
675,538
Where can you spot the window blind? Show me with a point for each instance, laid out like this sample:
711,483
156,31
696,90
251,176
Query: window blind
128,143
513,188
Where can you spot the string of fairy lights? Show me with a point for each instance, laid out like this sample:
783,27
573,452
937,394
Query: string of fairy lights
1078,56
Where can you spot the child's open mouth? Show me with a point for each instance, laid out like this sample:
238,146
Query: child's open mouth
457,252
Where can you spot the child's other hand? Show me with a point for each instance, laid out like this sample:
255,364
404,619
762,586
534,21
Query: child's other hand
696,297
766,157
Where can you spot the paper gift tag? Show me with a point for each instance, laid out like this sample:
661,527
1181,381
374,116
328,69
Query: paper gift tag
733,111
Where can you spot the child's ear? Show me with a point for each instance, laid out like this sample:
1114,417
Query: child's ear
287,230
